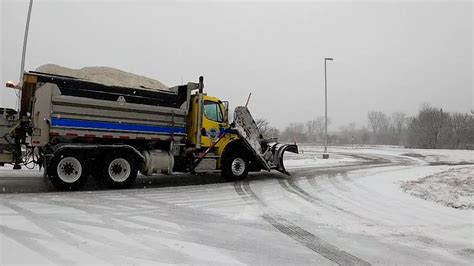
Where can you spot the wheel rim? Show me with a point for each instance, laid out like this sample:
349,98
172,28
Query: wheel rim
238,166
119,170
69,169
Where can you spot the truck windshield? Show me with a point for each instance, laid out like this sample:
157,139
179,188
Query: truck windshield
213,111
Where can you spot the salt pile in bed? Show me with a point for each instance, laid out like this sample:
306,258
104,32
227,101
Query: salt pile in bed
104,75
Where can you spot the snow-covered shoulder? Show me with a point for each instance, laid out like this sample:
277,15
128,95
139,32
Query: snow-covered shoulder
453,188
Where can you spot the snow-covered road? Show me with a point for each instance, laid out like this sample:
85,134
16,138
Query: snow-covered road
347,210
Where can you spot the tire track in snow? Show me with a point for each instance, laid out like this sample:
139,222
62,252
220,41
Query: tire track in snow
375,212
292,186
297,233
57,227
347,185
56,230
32,241
382,207
341,198
367,161
370,161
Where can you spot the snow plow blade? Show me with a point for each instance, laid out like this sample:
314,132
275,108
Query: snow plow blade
269,155
278,150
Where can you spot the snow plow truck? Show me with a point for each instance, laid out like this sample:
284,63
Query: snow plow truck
75,129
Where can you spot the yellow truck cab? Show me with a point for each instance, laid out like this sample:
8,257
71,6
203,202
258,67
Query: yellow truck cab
214,119
209,131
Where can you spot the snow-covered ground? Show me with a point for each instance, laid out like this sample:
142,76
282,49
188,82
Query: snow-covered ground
433,157
313,159
454,187
348,209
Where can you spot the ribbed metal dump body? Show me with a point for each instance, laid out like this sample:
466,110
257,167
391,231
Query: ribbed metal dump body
81,108
84,113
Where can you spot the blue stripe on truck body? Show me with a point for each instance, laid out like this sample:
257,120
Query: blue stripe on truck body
99,125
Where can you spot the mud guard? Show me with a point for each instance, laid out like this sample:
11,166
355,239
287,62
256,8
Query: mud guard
272,157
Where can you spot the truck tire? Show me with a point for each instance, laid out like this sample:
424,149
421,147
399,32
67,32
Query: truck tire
235,167
67,171
119,170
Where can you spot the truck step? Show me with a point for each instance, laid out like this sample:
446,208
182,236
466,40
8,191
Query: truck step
207,164
207,171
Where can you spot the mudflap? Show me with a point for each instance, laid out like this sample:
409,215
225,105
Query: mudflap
278,150
270,157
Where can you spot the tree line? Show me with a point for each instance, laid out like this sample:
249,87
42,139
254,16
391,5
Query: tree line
430,128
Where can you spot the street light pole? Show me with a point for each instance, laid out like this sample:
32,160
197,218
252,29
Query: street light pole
23,54
325,154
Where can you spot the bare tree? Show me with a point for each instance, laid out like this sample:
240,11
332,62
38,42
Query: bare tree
379,122
262,124
321,127
315,129
460,126
427,126
373,121
311,130
294,132
267,131
346,134
399,121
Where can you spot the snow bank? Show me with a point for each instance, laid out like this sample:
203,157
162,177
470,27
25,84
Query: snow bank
105,75
453,188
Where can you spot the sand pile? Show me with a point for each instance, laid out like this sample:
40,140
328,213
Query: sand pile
105,75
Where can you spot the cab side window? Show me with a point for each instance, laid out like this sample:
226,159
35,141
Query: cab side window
213,111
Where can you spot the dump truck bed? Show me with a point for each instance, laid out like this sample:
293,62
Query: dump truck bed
70,107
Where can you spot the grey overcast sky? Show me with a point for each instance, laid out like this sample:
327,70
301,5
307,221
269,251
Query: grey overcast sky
389,55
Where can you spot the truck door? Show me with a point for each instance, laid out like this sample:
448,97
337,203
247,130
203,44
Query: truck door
213,122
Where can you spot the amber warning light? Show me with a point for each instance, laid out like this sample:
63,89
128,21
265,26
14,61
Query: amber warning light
11,84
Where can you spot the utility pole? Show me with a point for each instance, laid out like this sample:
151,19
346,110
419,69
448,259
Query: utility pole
326,154
20,133
23,54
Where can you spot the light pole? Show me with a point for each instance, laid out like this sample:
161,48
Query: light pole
326,154
23,54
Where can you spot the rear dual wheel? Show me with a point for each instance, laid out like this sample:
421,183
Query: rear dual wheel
119,170
67,171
